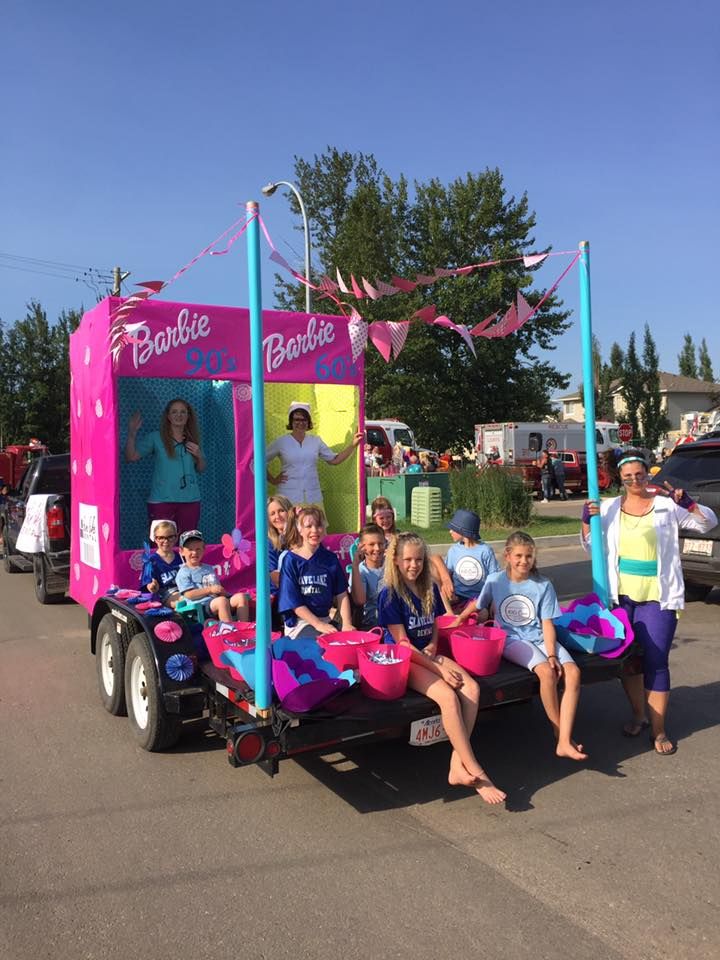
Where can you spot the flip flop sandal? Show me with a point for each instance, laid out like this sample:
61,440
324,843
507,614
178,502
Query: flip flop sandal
635,729
663,739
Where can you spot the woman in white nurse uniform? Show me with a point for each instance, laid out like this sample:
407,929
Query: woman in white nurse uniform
299,453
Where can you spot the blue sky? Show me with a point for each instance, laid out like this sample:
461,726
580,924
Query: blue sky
133,135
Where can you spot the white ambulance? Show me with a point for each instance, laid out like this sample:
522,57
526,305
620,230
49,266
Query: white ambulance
519,443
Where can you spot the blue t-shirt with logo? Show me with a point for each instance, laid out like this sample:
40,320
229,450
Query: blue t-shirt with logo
164,572
311,582
392,609
470,567
520,607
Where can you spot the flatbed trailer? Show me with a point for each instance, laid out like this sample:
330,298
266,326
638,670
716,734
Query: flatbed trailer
132,667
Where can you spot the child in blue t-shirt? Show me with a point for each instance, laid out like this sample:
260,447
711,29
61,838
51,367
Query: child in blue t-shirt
198,581
468,560
524,604
407,607
312,581
159,573
368,568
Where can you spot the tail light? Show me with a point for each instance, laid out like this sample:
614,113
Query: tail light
249,748
55,523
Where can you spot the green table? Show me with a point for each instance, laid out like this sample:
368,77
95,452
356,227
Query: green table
399,489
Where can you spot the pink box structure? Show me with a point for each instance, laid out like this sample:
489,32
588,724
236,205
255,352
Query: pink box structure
202,354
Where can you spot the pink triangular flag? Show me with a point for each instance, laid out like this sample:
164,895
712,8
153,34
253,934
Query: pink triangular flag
502,328
358,333
479,327
426,314
280,259
379,333
424,279
443,272
341,282
356,288
407,286
465,334
154,285
386,289
534,259
398,335
370,289
328,285
524,310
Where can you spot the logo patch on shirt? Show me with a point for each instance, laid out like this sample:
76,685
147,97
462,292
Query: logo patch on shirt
517,610
469,570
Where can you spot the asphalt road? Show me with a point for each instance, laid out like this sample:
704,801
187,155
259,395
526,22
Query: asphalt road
109,852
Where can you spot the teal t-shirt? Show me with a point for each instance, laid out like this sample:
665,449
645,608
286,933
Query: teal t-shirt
175,479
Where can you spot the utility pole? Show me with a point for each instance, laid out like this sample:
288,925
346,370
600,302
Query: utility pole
118,277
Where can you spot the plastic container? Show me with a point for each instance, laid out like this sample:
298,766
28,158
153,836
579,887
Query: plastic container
478,648
230,636
384,681
444,630
341,648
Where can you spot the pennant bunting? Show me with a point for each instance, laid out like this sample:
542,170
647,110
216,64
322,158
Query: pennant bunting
380,335
426,314
358,332
423,279
154,285
356,288
370,289
524,310
386,289
278,258
398,335
407,286
534,259
341,282
479,327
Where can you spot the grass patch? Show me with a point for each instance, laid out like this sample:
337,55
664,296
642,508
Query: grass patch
538,527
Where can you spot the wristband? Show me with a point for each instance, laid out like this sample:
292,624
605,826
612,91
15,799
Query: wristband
687,502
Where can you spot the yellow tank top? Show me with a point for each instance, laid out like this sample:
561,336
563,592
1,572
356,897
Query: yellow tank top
638,541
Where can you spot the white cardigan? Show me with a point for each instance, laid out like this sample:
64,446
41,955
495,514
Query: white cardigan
668,517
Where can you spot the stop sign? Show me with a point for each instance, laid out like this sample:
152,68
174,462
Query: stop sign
625,432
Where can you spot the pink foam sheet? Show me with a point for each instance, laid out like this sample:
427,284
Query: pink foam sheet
187,342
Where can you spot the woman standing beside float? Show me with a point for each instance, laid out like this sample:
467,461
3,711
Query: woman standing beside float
645,578
299,453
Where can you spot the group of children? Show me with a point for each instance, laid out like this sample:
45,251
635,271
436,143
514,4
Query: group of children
395,583
172,576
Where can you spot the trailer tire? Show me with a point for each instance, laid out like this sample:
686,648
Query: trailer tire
153,727
43,580
110,666
696,592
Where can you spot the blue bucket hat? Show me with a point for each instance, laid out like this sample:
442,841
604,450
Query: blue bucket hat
466,523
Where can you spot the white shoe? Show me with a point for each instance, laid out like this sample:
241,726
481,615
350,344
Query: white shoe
544,501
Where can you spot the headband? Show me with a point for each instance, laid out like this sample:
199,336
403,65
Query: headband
630,460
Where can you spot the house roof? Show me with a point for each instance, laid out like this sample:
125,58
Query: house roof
669,383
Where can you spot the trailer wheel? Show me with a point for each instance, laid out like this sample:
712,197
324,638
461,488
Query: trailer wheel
110,666
43,581
154,729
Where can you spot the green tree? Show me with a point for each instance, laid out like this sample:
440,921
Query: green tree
617,360
687,364
368,225
705,363
632,384
654,421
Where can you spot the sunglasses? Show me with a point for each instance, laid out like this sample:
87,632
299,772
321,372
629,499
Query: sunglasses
630,480
173,537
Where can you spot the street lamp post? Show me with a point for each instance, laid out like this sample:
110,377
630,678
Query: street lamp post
268,190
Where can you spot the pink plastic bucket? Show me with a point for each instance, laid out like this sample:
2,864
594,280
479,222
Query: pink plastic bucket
341,648
384,681
478,649
230,636
444,630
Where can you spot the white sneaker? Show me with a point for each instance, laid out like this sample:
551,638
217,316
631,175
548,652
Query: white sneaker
544,501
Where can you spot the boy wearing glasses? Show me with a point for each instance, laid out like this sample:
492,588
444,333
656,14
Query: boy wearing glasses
159,573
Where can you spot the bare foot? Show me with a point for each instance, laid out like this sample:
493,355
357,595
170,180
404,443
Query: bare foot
489,792
573,751
458,775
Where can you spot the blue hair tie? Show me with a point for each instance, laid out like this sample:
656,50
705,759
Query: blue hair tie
630,460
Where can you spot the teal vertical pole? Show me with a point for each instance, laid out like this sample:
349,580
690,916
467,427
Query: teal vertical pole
597,549
263,693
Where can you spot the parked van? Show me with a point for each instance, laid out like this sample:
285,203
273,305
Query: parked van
386,433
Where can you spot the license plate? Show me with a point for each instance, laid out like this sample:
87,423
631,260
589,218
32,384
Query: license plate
703,547
427,731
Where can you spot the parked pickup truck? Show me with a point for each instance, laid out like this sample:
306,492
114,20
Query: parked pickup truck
35,526
575,473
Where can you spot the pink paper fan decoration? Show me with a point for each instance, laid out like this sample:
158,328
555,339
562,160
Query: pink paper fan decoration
168,631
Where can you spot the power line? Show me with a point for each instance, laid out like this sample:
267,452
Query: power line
56,264
60,276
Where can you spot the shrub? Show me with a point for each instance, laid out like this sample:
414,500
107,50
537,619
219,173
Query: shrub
496,495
